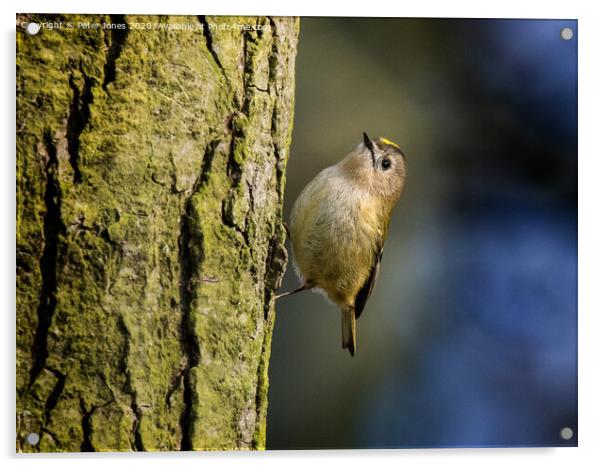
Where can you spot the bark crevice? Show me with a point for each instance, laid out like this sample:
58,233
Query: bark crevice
54,396
86,445
53,229
130,389
275,266
79,116
188,338
86,424
190,255
209,43
275,117
117,38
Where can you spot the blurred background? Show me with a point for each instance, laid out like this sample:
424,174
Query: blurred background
470,336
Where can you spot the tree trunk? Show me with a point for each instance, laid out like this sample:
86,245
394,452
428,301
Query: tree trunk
150,177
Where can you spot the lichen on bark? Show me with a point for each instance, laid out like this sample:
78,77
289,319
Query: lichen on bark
150,175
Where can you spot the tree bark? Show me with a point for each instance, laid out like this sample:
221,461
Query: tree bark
150,178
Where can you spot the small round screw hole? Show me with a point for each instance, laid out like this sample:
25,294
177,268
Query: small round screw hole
566,34
32,29
566,433
33,438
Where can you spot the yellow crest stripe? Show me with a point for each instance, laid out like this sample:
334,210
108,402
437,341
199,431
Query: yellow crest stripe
389,142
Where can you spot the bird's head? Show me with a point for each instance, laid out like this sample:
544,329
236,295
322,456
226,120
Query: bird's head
378,166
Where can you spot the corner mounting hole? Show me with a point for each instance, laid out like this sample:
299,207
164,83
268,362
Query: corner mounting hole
566,34
32,28
33,438
566,433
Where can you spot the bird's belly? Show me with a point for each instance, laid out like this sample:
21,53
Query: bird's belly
338,263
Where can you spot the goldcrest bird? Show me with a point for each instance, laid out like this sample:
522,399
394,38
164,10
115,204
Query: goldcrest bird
338,226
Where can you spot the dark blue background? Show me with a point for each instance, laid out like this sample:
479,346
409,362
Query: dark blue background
470,338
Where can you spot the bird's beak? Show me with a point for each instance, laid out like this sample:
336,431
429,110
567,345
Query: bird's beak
368,143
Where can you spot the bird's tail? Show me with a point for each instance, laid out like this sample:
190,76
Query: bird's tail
348,330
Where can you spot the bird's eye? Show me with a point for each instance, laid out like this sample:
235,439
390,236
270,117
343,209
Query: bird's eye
385,164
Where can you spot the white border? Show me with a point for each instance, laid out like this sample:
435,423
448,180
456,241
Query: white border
590,231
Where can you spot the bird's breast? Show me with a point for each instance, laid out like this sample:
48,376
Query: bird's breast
334,230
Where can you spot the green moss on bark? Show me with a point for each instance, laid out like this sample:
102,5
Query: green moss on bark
150,175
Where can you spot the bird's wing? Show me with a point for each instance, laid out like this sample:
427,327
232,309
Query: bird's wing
366,290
